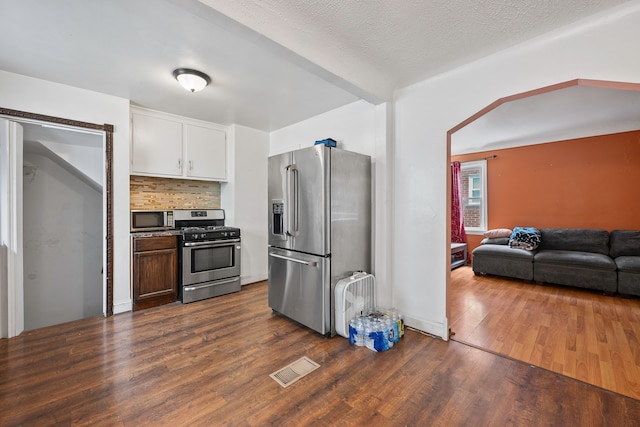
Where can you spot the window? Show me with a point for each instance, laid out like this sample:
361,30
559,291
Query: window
475,190
473,180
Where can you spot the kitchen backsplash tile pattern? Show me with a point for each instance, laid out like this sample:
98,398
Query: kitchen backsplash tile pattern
148,193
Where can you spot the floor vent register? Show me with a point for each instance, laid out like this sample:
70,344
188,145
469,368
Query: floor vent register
294,371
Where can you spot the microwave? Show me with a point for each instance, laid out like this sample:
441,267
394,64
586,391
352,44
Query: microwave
151,220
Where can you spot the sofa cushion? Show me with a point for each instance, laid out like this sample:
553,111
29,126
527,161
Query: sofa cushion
628,283
625,243
575,275
503,251
630,264
575,259
495,241
501,260
575,239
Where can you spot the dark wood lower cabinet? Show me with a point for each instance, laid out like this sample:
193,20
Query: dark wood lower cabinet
155,271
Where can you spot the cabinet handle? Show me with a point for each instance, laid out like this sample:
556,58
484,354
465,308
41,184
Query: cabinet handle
180,164
190,165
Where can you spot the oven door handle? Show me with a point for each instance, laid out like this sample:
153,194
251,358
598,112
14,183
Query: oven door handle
208,284
210,244
299,261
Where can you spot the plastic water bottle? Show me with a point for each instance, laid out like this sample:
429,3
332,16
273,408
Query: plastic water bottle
360,332
396,326
390,332
356,331
352,331
381,342
369,335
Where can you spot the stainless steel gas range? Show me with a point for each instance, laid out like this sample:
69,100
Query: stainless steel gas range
209,256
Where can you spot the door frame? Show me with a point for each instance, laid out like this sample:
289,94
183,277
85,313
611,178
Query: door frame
108,131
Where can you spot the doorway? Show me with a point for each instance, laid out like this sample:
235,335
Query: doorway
553,327
62,224
95,185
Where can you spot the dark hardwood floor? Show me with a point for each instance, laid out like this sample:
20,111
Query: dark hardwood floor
208,363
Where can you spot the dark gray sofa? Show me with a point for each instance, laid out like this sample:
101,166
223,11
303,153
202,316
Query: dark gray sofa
625,251
501,260
577,257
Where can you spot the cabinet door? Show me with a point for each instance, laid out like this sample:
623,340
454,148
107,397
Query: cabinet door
157,146
155,277
206,153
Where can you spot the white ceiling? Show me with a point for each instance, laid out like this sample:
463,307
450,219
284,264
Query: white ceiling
568,113
273,62
384,45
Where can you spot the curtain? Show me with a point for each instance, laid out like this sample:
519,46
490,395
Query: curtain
458,234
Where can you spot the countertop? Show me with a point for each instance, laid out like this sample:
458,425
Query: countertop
155,233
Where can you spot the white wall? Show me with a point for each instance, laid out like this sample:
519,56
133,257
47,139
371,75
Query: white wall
63,244
244,198
42,97
603,47
5,219
11,271
360,127
352,126
88,159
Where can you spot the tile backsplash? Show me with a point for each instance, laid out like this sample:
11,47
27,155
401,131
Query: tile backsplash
148,193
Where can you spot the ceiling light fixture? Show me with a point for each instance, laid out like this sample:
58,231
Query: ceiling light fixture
191,80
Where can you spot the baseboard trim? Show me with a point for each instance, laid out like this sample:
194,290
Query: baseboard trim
122,307
439,329
245,280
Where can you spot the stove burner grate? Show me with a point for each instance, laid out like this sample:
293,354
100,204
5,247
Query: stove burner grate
207,228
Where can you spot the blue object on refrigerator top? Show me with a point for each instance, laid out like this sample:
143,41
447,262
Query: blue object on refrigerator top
329,142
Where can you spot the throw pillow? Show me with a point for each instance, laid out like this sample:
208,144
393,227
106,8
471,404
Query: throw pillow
525,238
498,232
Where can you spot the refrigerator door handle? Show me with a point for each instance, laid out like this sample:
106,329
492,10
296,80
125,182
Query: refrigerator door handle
287,199
299,261
291,201
296,229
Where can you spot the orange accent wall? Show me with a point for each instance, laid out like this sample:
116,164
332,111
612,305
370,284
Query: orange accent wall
583,183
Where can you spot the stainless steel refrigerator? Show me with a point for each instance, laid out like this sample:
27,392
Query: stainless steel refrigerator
319,230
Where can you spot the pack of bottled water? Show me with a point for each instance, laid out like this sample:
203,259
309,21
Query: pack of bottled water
378,330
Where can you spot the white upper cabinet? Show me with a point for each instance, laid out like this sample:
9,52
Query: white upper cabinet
206,150
157,146
171,146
